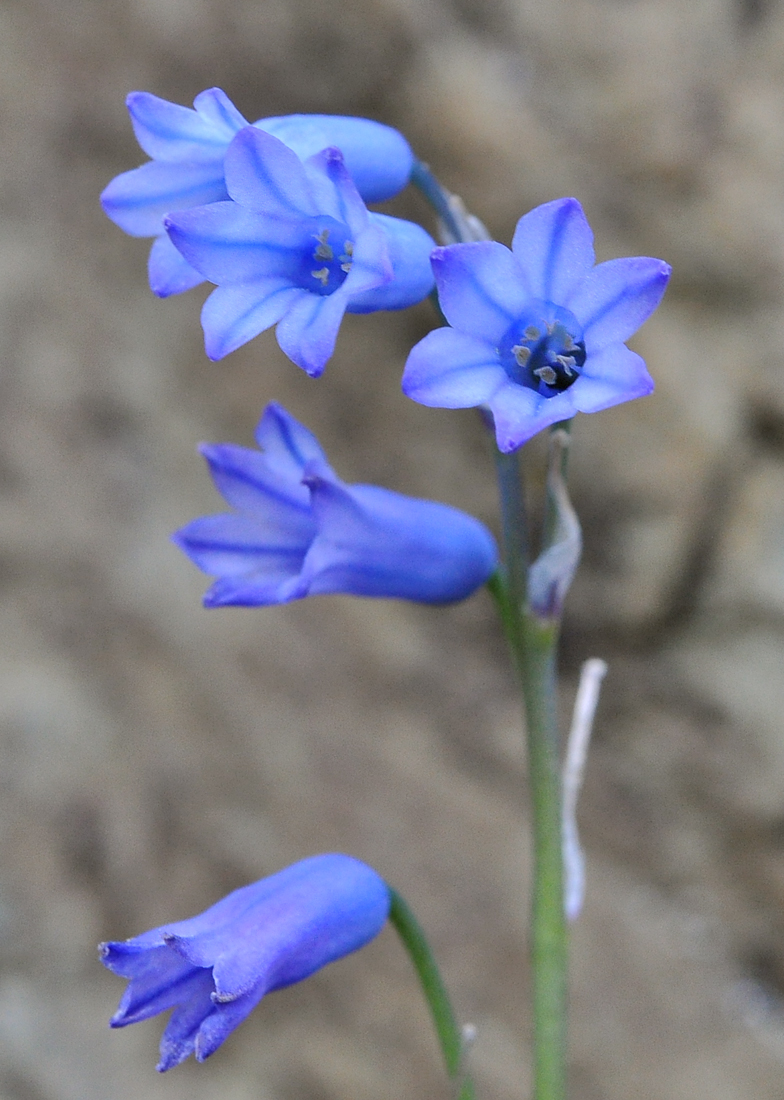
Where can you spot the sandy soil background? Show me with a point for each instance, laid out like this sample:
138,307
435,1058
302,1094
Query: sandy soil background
154,755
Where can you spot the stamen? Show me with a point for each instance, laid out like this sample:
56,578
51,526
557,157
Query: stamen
323,250
531,333
547,375
347,257
522,354
322,275
568,362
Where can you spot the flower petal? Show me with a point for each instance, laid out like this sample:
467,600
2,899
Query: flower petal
164,982
480,288
334,191
169,272
254,482
179,1038
519,413
217,1027
287,445
215,107
613,375
616,297
373,542
378,158
449,370
266,176
138,200
409,248
253,590
229,545
554,246
169,132
230,244
371,270
342,900
308,331
232,315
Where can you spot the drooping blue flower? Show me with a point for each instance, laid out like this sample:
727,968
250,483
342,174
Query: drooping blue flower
188,146
296,247
299,531
215,968
536,333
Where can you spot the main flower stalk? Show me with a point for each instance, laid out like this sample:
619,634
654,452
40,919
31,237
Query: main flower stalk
533,641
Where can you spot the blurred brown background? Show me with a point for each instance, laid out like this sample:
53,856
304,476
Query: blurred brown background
155,755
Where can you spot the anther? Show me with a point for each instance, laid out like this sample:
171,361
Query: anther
322,275
323,250
522,354
531,333
347,257
547,375
568,362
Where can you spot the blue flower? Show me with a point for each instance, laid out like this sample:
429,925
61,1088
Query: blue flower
537,334
215,968
299,531
188,146
296,247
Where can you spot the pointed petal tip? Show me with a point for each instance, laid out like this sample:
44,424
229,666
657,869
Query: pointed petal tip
133,99
332,155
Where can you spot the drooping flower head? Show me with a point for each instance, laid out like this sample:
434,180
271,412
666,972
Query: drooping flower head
298,530
296,247
536,333
188,146
215,968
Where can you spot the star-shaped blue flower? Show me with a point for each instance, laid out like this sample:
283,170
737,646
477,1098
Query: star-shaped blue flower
214,969
296,247
536,333
298,530
188,146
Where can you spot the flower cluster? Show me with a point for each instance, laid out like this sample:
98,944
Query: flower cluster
300,531
215,968
274,214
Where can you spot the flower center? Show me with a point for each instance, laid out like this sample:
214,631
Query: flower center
544,349
329,261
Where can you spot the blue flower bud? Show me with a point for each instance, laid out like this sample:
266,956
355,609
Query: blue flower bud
298,530
215,968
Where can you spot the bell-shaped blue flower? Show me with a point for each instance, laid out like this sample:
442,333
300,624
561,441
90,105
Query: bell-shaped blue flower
297,247
215,968
536,333
299,531
188,146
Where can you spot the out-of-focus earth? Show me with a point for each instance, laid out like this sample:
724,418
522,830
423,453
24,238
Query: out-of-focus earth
154,755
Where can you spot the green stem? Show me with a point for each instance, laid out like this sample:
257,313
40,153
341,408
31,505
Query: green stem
438,197
514,523
536,662
533,642
448,1031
